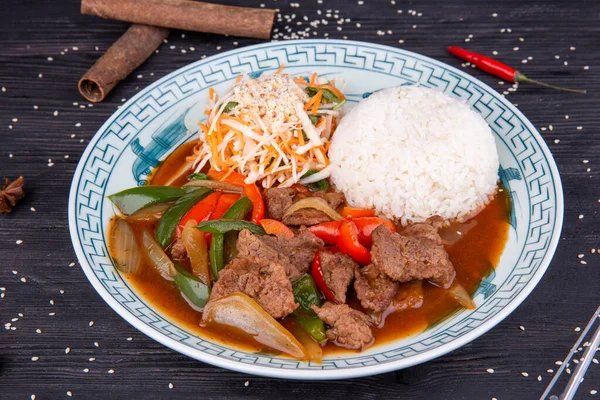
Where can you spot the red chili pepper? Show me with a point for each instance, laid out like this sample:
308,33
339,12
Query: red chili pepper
200,212
349,243
274,227
499,69
250,190
329,232
353,212
367,225
316,271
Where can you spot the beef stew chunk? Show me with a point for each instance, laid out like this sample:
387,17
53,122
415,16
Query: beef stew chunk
416,253
374,290
278,200
295,254
338,271
348,327
263,280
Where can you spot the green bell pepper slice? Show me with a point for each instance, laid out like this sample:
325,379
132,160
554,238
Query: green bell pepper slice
192,288
216,253
221,226
131,200
306,294
165,230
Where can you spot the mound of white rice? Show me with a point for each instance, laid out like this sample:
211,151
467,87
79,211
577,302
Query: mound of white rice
411,153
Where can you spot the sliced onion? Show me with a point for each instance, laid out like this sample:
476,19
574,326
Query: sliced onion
319,176
237,310
224,186
157,257
314,352
460,294
197,250
149,214
124,249
316,203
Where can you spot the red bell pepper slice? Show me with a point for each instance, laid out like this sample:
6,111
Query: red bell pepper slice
329,232
353,212
225,201
274,227
250,190
316,271
349,243
366,226
200,212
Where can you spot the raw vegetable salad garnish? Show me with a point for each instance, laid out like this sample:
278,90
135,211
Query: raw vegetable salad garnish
273,129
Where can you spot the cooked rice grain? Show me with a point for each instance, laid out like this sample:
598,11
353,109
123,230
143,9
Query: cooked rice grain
411,153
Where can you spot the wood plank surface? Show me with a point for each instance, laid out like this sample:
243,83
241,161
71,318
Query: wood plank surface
33,31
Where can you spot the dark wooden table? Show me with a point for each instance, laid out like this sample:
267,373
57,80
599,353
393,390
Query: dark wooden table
64,340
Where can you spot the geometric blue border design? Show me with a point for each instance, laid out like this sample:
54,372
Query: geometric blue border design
106,161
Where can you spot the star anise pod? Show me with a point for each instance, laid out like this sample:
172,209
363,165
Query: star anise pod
10,194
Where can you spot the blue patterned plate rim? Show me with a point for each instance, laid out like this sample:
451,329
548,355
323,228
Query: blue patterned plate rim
349,372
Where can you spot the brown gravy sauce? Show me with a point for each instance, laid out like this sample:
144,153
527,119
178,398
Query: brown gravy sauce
474,256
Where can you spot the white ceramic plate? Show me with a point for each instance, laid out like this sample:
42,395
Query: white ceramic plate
153,123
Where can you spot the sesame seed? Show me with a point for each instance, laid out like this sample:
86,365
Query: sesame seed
515,49
586,67
92,359
595,360
72,264
35,107
246,383
558,362
86,370
111,371
62,292
32,397
490,370
577,329
19,241
550,128
91,323
557,141
51,302
35,358
524,374
129,339
550,371
593,391
585,161
568,371
3,89
494,15
55,113
50,59
495,52
67,350
170,385
69,393
539,378
566,63
521,327
580,255
52,314
580,216
572,48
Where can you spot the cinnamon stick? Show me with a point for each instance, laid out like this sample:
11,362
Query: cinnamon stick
124,56
186,15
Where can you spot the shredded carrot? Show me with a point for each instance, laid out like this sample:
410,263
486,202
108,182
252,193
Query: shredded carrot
320,122
279,69
317,102
331,88
313,77
211,93
238,79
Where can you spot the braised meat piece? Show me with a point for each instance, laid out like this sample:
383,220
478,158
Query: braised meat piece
374,290
263,280
179,252
348,327
428,230
338,271
277,200
409,295
295,254
405,257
